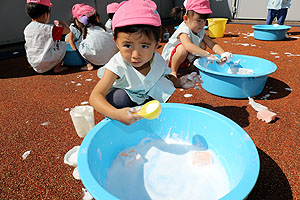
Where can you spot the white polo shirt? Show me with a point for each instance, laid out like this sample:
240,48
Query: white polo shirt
98,47
42,52
279,4
138,86
174,40
108,26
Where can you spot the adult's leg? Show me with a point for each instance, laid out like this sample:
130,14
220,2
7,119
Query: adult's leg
271,16
119,98
282,13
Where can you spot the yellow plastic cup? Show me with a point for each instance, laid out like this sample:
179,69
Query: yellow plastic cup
216,27
150,110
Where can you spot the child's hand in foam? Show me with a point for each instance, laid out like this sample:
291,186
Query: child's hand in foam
128,115
226,57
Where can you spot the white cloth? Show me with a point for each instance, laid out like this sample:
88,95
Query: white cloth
76,32
108,26
279,4
174,40
138,86
98,47
42,52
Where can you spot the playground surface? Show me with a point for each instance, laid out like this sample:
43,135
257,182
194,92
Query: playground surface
35,117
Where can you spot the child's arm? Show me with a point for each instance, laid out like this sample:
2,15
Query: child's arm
70,40
100,104
213,45
225,56
63,24
191,47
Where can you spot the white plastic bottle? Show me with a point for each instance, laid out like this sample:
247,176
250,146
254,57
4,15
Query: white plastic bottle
166,35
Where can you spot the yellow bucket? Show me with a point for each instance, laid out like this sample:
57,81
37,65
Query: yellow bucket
216,27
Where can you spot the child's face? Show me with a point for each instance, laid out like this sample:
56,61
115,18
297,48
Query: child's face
78,24
194,22
136,48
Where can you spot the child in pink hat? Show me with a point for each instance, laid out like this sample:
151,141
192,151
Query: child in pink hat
74,37
189,41
94,44
137,73
110,10
44,50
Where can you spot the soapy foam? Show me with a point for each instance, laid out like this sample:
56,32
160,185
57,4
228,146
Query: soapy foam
151,107
164,169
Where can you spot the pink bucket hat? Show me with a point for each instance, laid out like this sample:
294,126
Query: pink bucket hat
85,10
133,12
75,9
112,8
42,2
199,6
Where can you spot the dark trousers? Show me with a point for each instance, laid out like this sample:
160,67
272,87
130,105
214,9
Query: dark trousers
279,14
119,99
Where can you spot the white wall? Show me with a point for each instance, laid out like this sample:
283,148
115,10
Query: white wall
257,9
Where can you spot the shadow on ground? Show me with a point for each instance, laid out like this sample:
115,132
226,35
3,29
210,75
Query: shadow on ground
20,68
238,114
274,89
271,183
293,33
230,35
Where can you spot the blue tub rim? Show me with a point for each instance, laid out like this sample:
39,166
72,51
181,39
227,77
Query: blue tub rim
204,69
242,189
266,27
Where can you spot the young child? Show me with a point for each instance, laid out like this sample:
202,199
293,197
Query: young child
190,39
110,9
278,9
97,46
74,37
137,73
44,50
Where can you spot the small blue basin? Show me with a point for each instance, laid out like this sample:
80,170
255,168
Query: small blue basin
217,80
270,32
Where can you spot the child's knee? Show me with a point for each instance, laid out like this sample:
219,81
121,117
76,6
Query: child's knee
181,51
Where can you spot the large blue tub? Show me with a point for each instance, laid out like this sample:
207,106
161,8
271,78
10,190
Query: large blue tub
270,32
235,148
218,81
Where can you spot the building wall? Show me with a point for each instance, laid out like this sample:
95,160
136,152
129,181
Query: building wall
14,19
257,9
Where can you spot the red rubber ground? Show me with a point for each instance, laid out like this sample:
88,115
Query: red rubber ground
28,100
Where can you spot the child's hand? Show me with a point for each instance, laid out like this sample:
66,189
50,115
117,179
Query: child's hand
225,57
190,80
127,115
63,24
213,58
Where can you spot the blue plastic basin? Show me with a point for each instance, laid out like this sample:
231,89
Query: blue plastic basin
217,80
270,32
72,57
233,145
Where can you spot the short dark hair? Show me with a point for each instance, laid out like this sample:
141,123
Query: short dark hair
35,10
149,30
179,12
110,15
202,16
